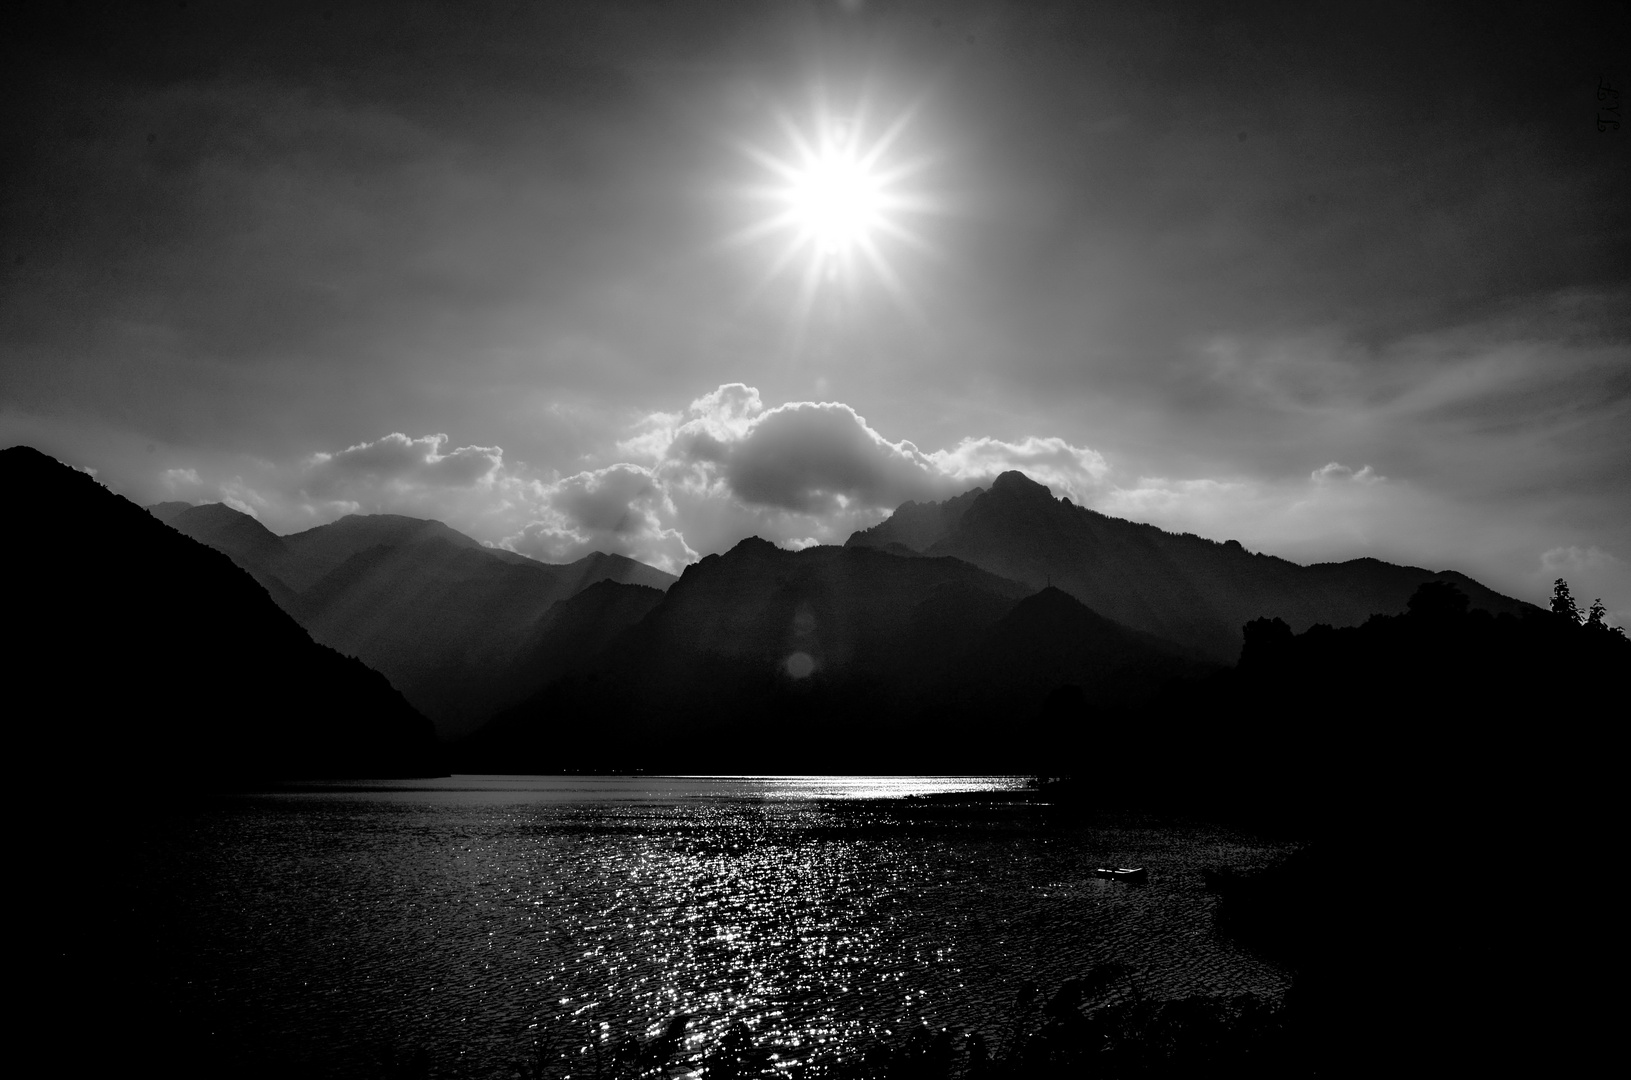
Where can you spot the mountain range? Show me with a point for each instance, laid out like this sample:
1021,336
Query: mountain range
142,655
767,659
453,624
1189,590
1001,628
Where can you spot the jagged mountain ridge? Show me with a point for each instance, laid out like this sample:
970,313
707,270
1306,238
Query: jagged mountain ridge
1193,591
171,661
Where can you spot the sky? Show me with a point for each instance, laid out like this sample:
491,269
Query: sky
1334,280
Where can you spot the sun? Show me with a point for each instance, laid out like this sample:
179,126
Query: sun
838,197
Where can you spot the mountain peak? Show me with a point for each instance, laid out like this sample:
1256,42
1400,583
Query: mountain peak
754,544
916,526
1014,482
167,512
215,512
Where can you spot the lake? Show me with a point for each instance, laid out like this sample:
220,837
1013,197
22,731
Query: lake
325,929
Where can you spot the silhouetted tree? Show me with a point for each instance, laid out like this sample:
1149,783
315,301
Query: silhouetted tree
1595,618
1563,604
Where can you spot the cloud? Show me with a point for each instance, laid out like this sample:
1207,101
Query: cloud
819,458
1335,472
697,479
727,411
1563,561
400,462
722,468
621,509
1071,470
1334,508
178,481
808,472
470,487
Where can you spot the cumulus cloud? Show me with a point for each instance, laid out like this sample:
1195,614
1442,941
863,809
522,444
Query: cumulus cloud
807,472
1069,470
822,458
699,479
728,411
621,509
401,462
468,487
819,458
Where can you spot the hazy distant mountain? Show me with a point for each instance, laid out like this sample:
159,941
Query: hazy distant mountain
446,619
837,658
224,528
318,552
137,651
255,548
1182,587
167,512
575,631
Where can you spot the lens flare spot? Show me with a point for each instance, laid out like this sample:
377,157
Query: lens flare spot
800,665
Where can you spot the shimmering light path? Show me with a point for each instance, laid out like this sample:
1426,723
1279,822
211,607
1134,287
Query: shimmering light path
487,919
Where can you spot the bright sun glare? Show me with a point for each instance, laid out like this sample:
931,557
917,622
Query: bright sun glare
835,199
839,200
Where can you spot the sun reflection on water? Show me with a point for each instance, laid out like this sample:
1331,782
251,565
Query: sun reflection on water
506,921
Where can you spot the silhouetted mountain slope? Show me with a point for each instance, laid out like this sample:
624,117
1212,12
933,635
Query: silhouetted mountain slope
572,633
254,547
446,619
828,658
1052,639
575,630
170,661
168,511
604,566
442,620
1186,589
250,543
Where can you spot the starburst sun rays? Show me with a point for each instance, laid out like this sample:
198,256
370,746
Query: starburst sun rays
839,199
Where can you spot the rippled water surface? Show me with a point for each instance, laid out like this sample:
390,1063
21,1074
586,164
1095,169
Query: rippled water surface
485,920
